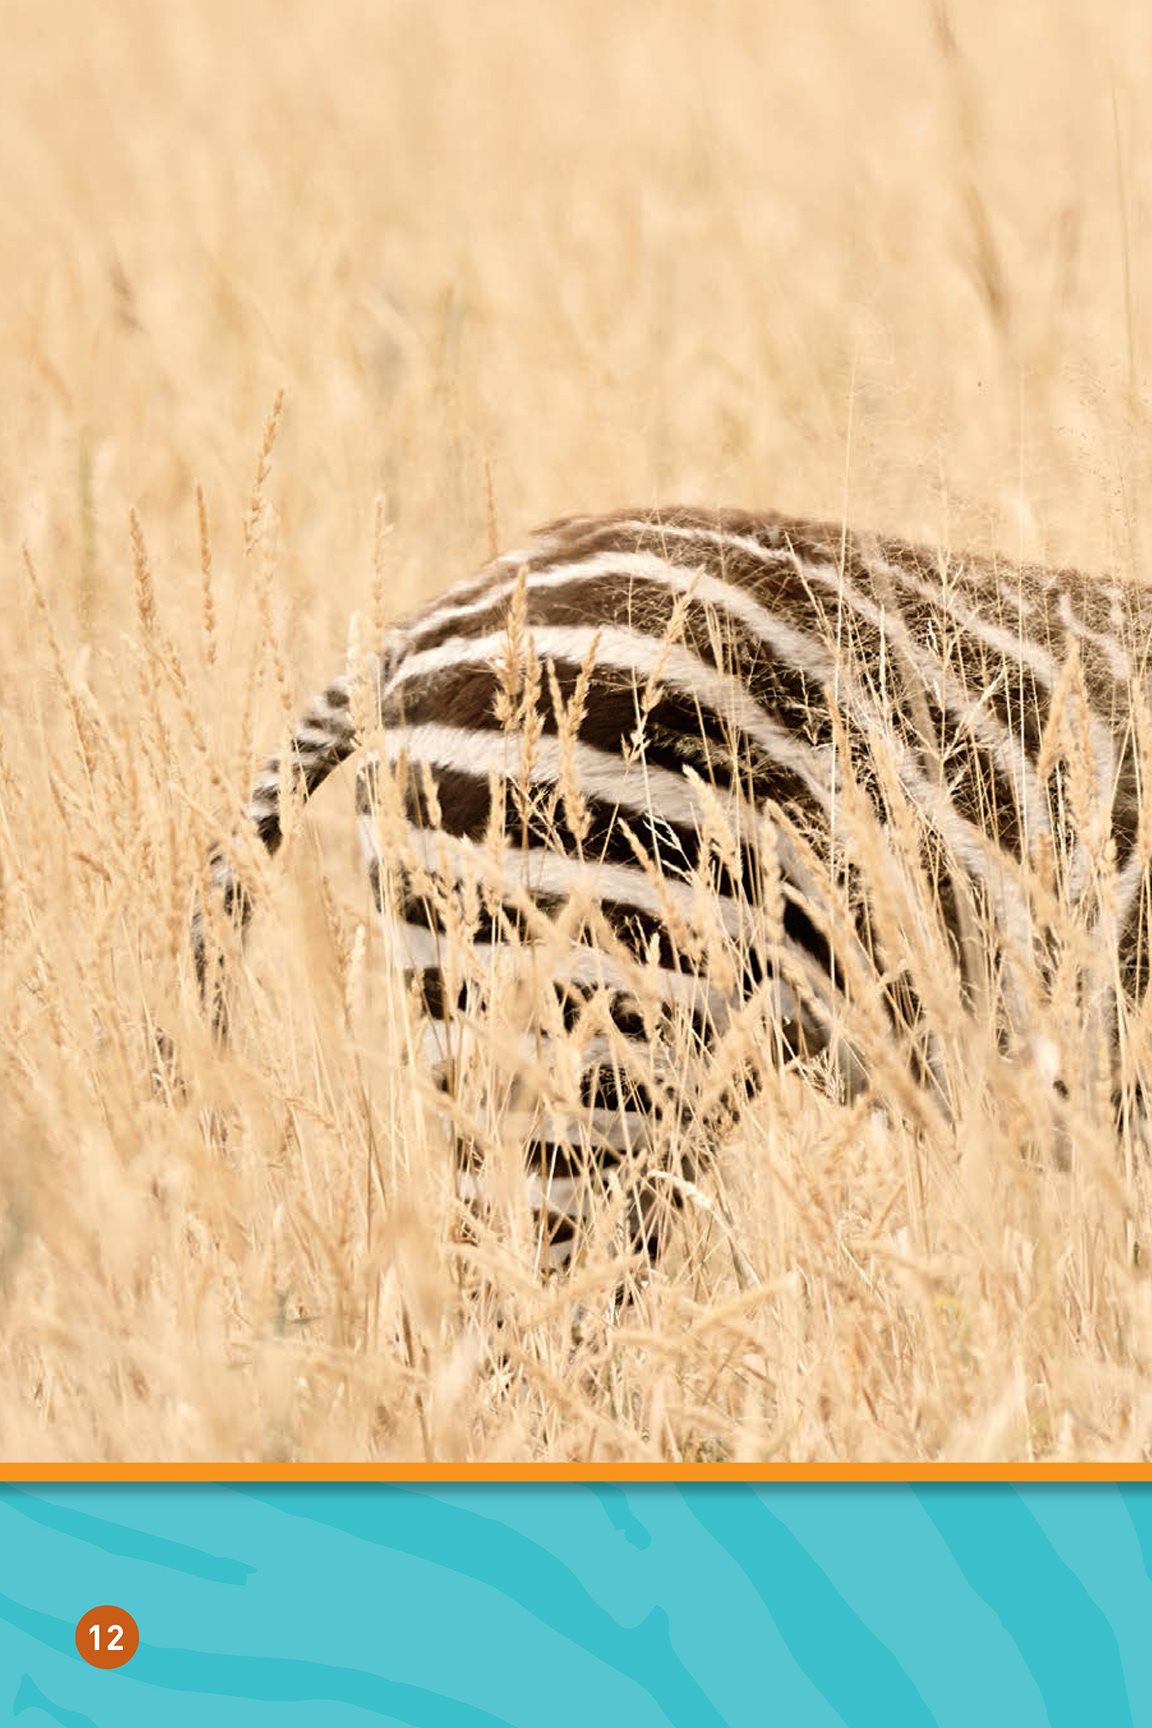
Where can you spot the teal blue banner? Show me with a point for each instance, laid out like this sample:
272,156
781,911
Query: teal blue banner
468,1607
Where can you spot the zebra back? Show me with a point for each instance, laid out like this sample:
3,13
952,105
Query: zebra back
851,781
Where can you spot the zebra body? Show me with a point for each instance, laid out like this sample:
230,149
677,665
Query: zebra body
696,764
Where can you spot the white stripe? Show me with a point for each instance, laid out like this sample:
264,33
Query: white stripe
977,851
1119,662
1001,743
641,657
541,871
636,786
318,737
720,595
485,963
991,733
1018,649
727,696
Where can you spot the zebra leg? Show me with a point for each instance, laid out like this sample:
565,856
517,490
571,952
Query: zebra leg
563,1061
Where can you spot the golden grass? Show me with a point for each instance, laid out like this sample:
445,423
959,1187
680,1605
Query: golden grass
507,262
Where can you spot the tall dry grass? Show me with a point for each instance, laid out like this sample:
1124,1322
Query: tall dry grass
507,262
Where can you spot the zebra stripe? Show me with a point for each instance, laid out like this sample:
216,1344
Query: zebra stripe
636,755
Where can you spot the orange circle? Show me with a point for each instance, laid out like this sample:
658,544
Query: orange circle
107,1637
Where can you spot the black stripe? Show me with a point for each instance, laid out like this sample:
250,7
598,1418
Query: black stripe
575,1160
679,729
309,765
604,1085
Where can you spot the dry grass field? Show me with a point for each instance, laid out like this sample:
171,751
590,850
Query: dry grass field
506,262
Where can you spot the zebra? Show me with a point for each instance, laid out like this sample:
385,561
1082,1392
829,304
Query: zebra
734,782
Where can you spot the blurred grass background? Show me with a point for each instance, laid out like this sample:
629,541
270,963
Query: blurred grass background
505,262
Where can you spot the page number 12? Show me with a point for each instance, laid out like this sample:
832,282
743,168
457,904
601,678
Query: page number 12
107,1637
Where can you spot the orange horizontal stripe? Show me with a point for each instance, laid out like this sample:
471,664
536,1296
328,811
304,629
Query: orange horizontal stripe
543,1473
